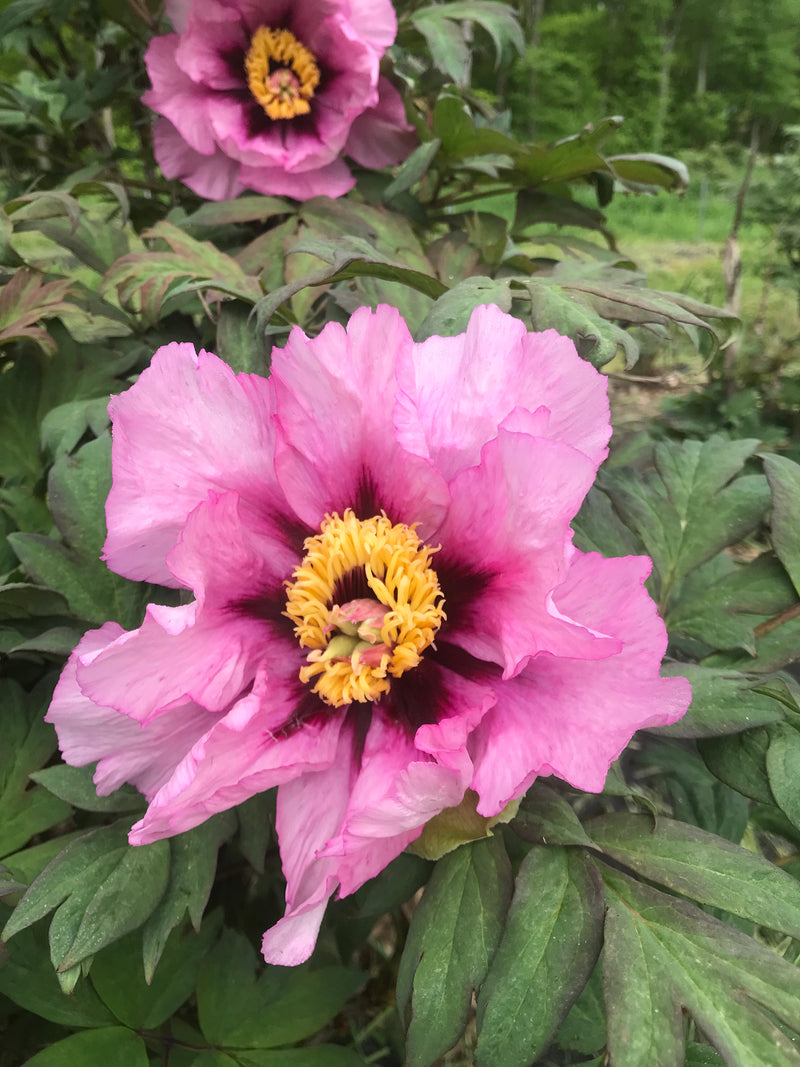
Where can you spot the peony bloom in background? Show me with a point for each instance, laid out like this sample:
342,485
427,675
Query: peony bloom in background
270,94
388,608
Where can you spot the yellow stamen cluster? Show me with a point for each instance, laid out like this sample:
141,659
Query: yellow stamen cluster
281,73
396,568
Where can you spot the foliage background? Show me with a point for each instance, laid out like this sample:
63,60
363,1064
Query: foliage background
654,924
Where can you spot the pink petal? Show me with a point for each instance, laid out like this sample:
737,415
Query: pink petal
213,32
462,388
214,177
242,754
374,21
202,657
175,96
335,443
509,518
189,425
177,11
571,717
124,750
381,136
343,825
332,180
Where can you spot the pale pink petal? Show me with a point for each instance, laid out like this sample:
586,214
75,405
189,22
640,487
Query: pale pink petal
374,21
175,96
188,426
572,718
335,443
509,518
214,177
124,751
462,388
177,11
381,136
244,753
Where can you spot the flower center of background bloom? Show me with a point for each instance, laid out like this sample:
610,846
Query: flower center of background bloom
367,603
281,73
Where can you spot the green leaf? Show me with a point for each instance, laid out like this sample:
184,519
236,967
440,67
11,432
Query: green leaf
784,480
146,282
26,743
89,883
451,312
256,828
78,487
545,818
702,866
415,167
110,1045
739,760
550,944
723,702
144,1004
281,1007
27,978
646,172
692,506
75,786
239,343
783,771
25,301
662,953
193,864
243,209
453,935
597,340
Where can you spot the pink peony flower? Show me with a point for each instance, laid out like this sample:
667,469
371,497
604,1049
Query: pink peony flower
270,94
388,608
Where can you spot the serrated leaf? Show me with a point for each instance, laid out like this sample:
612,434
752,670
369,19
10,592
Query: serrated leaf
193,864
692,506
784,480
453,935
550,944
109,1045
701,866
661,954
281,1007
